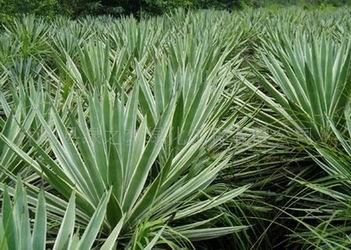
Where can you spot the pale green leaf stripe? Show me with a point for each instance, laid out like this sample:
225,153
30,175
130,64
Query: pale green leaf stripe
39,232
94,225
202,206
111,240
67,226
209,233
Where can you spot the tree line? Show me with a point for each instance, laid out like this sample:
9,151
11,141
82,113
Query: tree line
77,8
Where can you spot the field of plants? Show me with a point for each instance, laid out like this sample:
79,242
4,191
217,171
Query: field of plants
192,130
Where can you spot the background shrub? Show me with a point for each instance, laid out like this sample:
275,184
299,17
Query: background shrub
77,8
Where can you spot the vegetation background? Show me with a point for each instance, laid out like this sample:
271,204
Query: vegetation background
77,8
272,85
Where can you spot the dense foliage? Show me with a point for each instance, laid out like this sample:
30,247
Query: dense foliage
192,130
77,8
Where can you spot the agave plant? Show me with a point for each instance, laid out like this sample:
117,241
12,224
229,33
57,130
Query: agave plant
99,66
322,211
110,146
137,38
17,231
308,84
8,49
331,195
31,35
18,118
139,134
305,86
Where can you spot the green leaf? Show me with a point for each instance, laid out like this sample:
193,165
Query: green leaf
112,238
39,232
65,232
94,225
